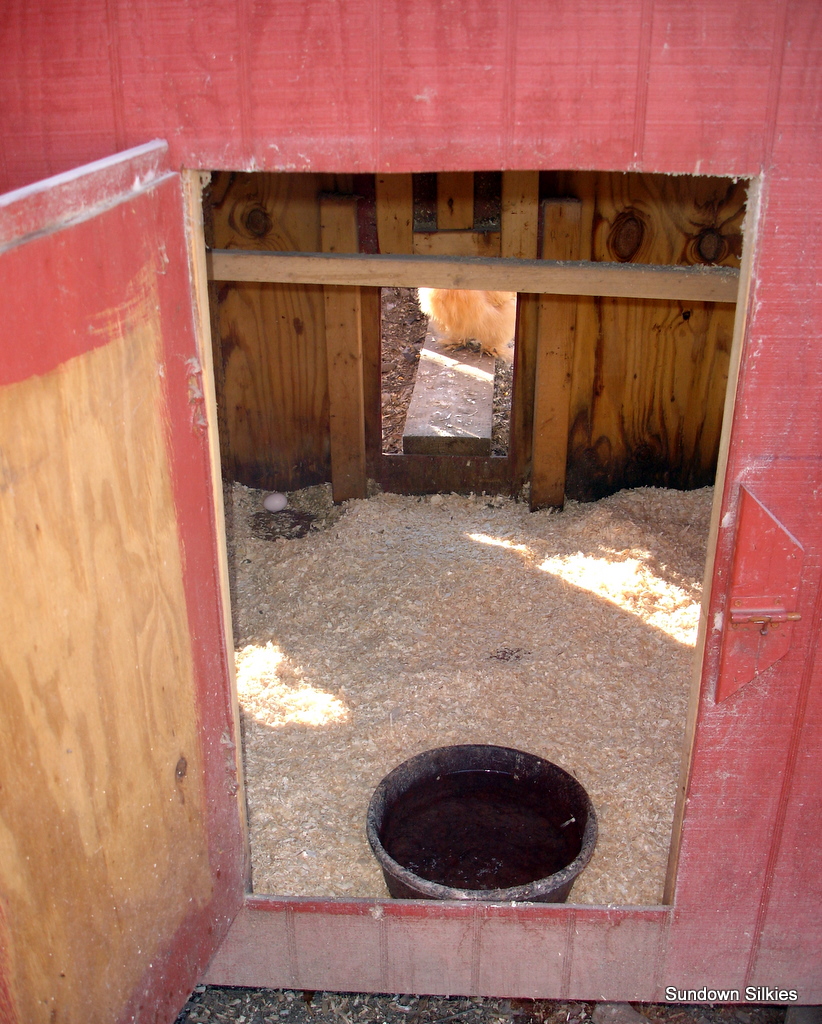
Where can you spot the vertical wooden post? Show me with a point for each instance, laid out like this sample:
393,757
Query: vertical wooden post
518,227
343,340
561,220
520,214
455,201
395,214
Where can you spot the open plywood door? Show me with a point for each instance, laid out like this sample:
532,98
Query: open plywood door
122,858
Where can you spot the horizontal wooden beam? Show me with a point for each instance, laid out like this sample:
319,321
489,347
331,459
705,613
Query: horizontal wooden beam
429,474
545,277
403,946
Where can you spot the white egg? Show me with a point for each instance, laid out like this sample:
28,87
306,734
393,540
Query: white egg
275,502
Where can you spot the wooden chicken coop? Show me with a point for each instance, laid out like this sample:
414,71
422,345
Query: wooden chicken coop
206,306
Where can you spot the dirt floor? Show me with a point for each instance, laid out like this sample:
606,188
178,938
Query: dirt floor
275,1006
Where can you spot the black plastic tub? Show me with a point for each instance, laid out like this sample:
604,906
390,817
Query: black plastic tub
481,822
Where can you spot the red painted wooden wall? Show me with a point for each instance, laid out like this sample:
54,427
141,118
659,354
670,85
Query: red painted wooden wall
726,87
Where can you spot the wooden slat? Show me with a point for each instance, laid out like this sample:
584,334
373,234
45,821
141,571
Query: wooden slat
456,243
193,185
555,358
520,192
429,474
522,392
395,213
699,284
527,951
455,201
520,223
343,338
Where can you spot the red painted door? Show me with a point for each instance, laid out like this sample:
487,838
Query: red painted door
121,851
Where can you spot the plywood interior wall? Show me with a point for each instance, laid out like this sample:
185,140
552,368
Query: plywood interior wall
103,814
270,356
648,378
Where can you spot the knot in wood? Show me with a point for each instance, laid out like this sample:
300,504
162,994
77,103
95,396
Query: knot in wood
626,236
257,222
711,246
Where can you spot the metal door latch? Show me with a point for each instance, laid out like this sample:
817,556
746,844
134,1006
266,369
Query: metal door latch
763,613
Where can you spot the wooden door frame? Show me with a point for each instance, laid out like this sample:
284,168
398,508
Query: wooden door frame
531,951
720,503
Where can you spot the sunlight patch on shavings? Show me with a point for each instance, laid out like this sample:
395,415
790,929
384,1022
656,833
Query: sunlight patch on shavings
500,542
276,695
631,585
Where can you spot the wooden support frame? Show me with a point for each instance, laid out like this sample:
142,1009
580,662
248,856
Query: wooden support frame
549,277
561,219
480,244
540,283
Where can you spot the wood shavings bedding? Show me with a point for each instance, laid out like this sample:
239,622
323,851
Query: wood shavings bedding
408,623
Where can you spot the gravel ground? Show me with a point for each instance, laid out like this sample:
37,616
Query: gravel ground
275,1006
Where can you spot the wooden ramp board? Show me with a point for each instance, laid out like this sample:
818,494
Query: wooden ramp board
452,407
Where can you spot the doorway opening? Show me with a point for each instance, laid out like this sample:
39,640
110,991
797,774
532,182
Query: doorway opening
445,604
453,215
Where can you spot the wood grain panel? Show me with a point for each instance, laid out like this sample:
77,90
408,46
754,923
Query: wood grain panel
785,386
619,950
409,90
395,213
109,886
773,447
649,377
455,201
689,125
457,243
103,807
270,338
519,215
